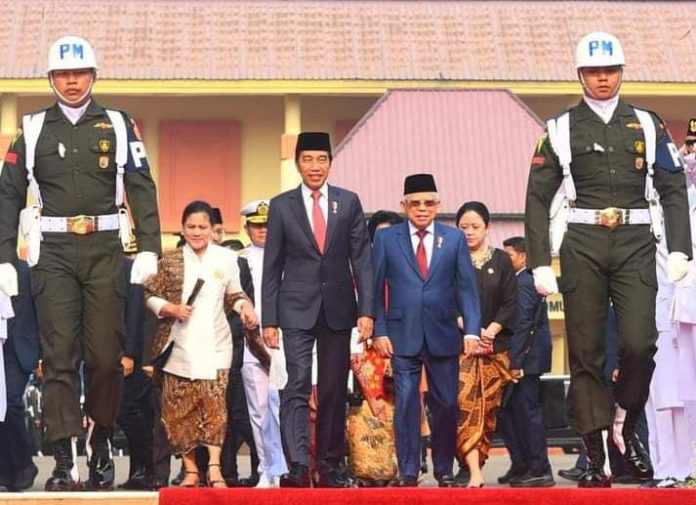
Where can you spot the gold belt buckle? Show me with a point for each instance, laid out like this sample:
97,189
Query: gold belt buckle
81,225
611,217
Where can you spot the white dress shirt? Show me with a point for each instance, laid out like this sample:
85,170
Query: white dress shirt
203,344
428,240
309,203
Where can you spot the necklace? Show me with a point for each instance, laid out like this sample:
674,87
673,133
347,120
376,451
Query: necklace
481,259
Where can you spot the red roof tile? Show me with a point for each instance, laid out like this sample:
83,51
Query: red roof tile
477,143
380,40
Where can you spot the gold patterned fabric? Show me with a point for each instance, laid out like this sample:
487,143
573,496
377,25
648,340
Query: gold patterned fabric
481,383
371,441
194,412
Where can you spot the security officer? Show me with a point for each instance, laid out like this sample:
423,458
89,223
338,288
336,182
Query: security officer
77,174
608,250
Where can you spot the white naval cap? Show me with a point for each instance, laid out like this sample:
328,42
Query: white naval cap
256,212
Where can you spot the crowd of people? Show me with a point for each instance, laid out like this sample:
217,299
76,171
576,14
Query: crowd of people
199,349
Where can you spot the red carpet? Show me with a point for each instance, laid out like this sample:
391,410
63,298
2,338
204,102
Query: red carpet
429,496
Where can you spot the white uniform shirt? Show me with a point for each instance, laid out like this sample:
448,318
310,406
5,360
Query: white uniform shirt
203,344
254,256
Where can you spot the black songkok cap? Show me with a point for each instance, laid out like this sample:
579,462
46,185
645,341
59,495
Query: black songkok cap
312,141
419,183
217,216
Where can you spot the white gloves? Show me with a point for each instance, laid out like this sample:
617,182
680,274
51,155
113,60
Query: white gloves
677,266
545,280
8,279
144,267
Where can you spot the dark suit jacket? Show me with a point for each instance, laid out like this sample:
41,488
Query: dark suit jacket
538,360
23,328
425,310
233,318
134,334
298,280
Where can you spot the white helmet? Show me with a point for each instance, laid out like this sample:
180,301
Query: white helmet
70,53
599,49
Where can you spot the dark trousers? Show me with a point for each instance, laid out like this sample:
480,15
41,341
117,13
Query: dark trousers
238,428
161,450
15,445
443,381
521,425
137,419
79,292
600,264
333,362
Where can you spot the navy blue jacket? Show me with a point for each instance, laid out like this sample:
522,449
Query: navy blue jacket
23,329
538,360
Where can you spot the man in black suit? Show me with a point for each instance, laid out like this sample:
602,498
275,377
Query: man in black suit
21,356
522,421
317,259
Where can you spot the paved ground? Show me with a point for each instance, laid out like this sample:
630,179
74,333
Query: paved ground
496,466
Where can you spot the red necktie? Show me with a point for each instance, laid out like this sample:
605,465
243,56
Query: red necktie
421,258
318,221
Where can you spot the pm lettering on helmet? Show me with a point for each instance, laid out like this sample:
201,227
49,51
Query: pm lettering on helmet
77,50
603,46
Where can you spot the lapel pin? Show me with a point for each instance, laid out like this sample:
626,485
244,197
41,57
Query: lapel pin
440,240
334,207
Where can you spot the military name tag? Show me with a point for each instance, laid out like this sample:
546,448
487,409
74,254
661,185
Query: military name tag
104,145
639,163
103,162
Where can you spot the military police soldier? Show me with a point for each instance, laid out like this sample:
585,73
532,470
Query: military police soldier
78,159
608,251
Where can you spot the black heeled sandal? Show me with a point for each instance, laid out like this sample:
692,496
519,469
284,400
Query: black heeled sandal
218,483
190,485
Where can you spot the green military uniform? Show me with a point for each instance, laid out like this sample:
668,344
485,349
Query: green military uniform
77,284
599,263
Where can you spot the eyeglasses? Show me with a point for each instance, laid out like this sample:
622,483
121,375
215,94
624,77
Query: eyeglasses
416,204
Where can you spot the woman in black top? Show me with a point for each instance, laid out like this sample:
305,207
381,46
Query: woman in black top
481,379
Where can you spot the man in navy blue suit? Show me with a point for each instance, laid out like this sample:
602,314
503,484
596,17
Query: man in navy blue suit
424,280
21,356
522,421
316,260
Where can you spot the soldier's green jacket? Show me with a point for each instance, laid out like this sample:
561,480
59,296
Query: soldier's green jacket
609,169
76,171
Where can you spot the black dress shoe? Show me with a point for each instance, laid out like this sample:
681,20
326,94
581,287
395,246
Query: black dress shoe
514,472
156,483
334,479
462,477
446,480
573,473
408,481
250,481
139,480
24,478
64,476
3,489
298,476
531,480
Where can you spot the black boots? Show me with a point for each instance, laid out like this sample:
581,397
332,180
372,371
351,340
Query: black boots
636,457
65,476
595,448
101,463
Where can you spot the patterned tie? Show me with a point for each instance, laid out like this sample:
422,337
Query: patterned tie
421,258
318,221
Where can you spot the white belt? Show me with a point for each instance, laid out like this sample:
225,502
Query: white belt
80,225
611,217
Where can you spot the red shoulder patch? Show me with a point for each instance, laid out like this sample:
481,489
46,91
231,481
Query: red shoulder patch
11,157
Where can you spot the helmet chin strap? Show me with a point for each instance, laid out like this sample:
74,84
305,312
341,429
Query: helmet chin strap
71,103
587,91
